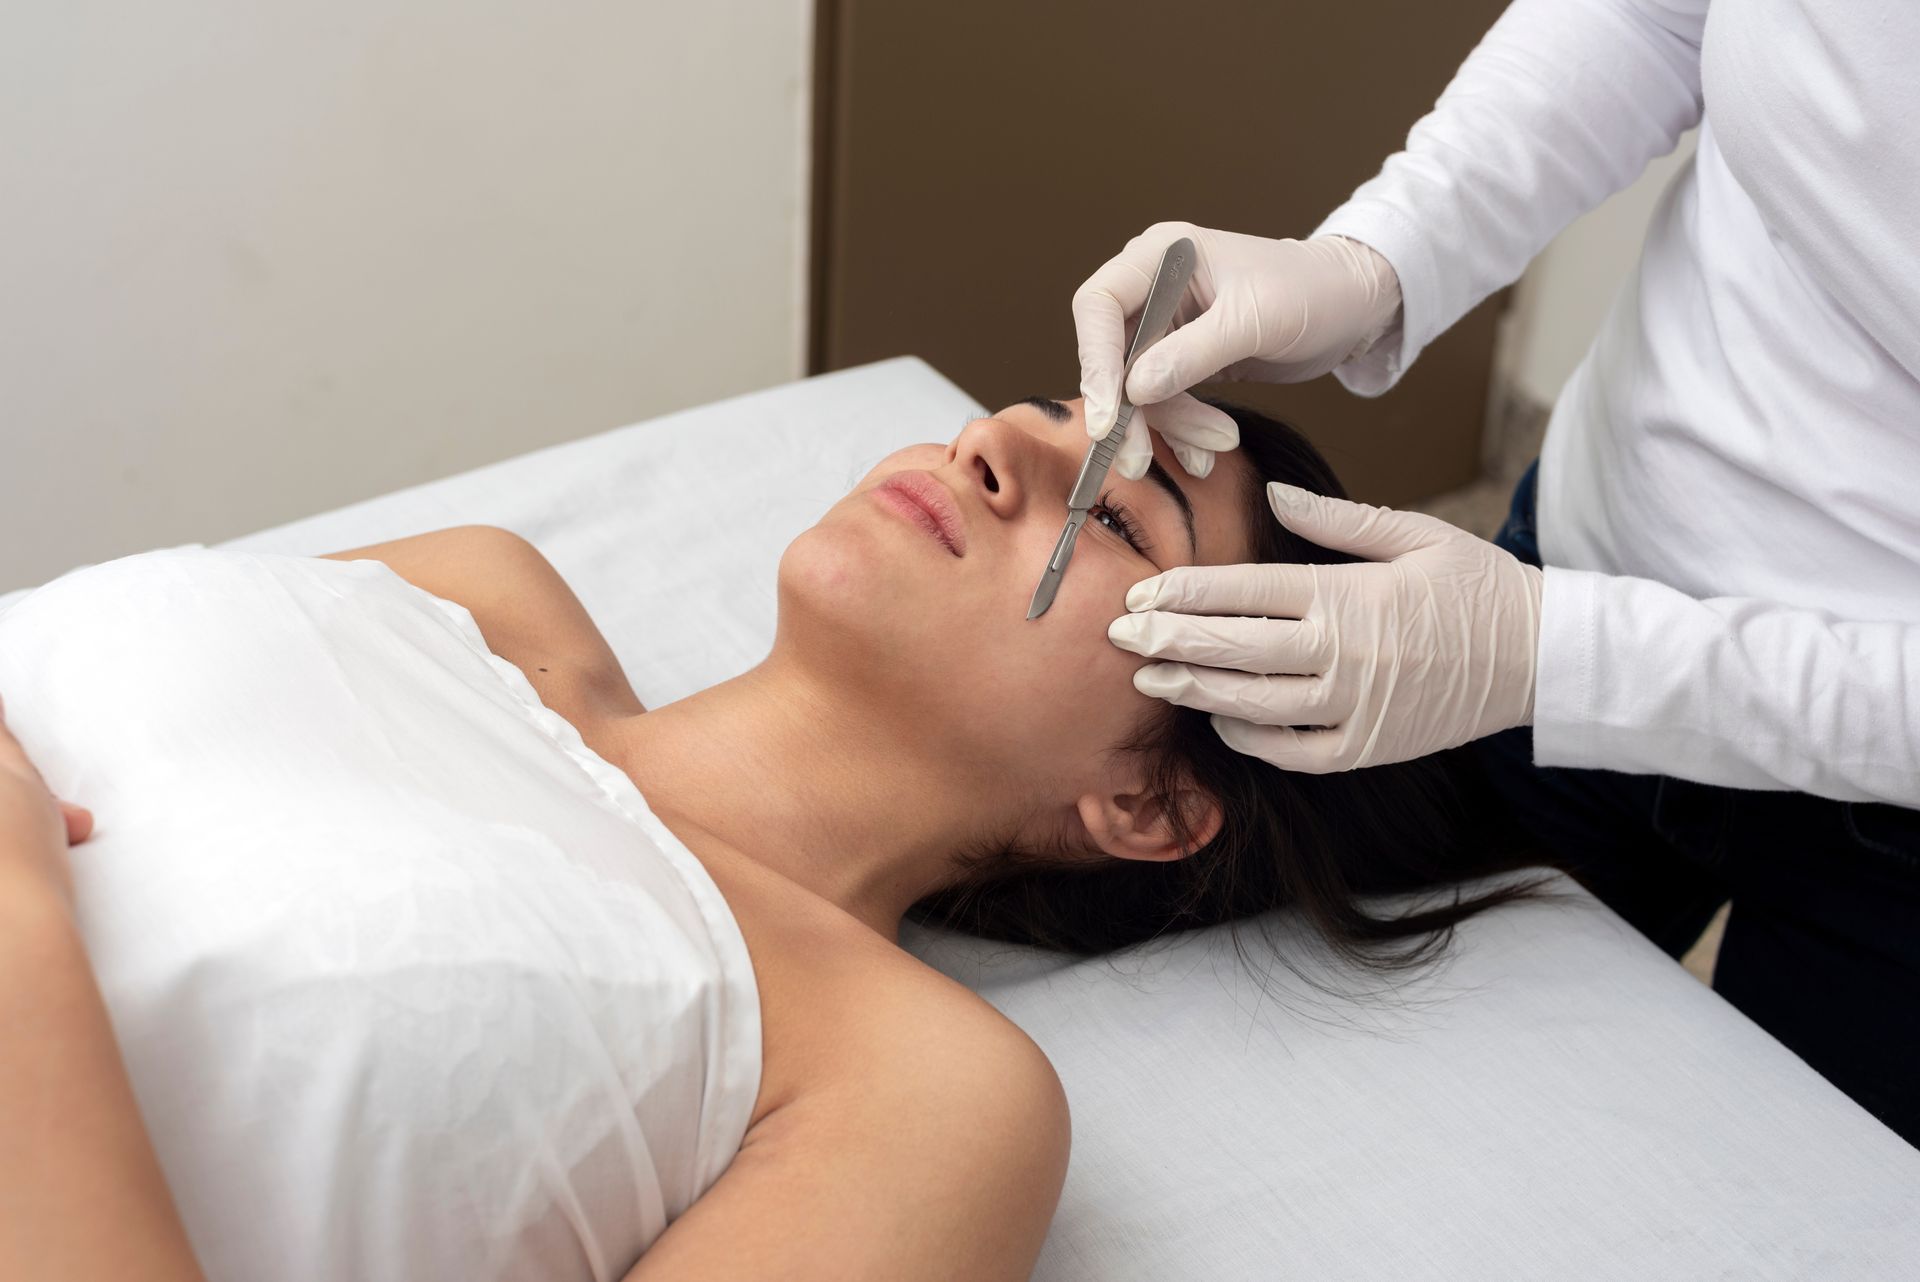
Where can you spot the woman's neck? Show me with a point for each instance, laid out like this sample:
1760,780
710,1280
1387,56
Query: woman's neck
809,783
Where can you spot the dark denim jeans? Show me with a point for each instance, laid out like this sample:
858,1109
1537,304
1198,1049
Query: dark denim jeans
1822,945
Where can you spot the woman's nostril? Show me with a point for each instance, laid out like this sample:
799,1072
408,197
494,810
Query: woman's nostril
993,484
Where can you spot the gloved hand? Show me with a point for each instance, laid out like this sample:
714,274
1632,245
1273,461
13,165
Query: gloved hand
1430,644
1275,311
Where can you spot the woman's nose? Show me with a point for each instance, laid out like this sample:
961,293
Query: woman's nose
1006,466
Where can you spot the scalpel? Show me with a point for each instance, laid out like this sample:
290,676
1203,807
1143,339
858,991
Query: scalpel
1169,285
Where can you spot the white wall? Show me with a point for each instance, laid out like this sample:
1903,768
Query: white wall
1559,303
259,260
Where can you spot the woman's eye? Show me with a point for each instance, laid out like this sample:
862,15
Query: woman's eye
1123,522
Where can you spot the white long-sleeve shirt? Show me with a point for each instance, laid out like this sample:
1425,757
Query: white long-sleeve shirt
1729,492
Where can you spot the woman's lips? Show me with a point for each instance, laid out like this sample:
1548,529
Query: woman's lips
924,500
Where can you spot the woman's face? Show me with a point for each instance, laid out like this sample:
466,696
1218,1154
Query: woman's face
938,635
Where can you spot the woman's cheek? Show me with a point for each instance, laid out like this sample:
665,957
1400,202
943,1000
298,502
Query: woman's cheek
1109,604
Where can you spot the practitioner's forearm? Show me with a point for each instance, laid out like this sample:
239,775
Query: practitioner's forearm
82,1196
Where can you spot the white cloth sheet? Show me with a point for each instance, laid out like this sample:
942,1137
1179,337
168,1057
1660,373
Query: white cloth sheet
1561,1101
410,984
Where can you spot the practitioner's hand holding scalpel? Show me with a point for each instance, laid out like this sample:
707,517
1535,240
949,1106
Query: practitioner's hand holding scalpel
1274,311
1313,668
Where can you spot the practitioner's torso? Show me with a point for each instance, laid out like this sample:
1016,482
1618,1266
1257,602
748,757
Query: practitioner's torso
1747,422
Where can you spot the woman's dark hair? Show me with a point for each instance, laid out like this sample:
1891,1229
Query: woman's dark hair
1314,843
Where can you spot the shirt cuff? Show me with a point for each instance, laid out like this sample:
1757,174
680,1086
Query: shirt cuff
1564,709
1392,235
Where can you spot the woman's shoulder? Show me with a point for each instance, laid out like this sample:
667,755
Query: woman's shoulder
851,1006
954,1014
983,1119
980,1069
943,1094
912,1107
943,1045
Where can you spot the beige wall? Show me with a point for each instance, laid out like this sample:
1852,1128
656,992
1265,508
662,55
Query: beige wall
259,260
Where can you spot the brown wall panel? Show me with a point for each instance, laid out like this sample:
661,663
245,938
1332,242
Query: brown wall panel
975,162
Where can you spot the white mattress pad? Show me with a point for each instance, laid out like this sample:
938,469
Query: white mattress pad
1561,1100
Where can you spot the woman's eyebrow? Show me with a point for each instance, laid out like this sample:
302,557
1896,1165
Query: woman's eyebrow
1059,413
1047,405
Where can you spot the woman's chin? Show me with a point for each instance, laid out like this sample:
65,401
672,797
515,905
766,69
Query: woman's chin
857,593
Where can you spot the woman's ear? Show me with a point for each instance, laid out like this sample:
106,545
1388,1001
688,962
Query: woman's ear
1137,825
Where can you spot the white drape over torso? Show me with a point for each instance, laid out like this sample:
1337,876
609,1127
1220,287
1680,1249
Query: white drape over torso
409,982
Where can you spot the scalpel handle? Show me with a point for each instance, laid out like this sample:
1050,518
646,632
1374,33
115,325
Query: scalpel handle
1156,317
1163,300
1099,460
1063,548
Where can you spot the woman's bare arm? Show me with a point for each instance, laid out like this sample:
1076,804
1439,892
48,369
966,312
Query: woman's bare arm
523,607
943,1161
82,1195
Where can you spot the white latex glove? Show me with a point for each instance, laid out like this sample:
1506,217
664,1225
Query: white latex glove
1273,311
1428,645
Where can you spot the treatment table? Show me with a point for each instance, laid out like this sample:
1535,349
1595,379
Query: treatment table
1557,1099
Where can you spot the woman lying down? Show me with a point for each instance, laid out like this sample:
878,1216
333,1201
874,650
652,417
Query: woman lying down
432,954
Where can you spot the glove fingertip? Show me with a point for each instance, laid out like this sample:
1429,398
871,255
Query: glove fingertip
1136,453
1233,732
1281,747
1097,404
1288,500
1229,431
1196,461
1149,382
1159,680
